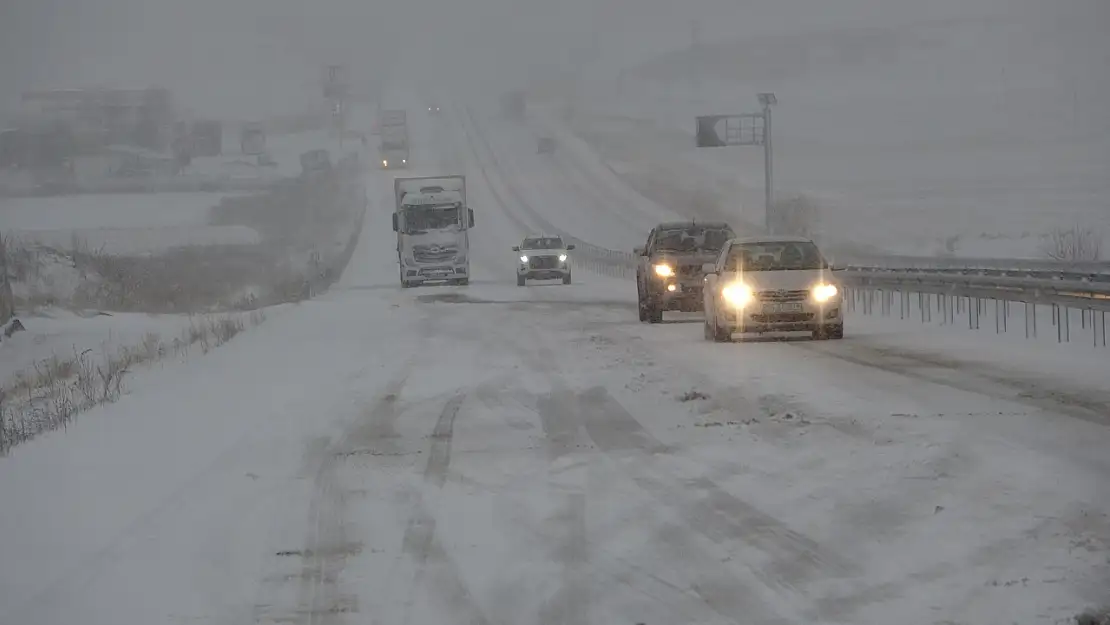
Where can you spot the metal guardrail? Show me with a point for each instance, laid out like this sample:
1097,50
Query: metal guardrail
894,261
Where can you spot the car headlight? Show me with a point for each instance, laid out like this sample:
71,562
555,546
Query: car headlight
737,294
523,258
404,161
562,258
385,163
664,271
824,292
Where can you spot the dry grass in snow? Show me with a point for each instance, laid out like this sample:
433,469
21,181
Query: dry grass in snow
52,392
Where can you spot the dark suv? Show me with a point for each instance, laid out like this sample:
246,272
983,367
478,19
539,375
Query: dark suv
669,275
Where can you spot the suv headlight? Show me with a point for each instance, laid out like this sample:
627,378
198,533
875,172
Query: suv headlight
562,258
664,271
737,294
523,258
825,292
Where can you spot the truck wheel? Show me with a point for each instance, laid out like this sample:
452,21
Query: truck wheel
405,284
654,314
463,281
566,279
519,280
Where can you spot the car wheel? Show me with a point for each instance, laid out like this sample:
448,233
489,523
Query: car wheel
519,280
654,314
462,281
721,335
566,279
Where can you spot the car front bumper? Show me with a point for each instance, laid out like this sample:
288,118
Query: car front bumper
811,317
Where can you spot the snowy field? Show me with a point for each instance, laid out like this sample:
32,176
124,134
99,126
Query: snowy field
988,128
496,454
130,223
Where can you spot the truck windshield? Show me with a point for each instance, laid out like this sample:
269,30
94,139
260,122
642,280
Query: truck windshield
419,219
775,256
542,243
693,239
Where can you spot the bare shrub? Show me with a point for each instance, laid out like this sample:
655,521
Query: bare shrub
1073,244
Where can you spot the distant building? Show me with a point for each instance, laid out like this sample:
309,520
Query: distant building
139,117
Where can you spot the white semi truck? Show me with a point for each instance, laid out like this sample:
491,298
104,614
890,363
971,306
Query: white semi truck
433,223
394,133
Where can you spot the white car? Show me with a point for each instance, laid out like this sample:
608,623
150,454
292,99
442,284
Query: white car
543,257
772,284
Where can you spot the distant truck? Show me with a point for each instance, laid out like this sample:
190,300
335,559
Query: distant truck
394,135
433,223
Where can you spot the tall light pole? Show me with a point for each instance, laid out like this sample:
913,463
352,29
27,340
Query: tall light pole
767,100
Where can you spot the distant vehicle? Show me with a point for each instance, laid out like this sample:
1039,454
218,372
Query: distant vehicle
545,145
433,224
543,257
670,272
393,131
433,109
315,161
772,284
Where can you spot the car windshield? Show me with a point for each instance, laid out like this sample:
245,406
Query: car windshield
693,239
543,243
775,256
431,217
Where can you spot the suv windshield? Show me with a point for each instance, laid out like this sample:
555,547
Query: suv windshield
693,239
543,243
775,256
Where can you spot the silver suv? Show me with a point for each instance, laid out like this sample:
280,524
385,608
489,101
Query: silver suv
772,284
543,257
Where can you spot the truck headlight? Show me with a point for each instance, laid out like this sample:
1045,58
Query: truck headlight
385,163
562,258
523,258
824,292
664,271
737,294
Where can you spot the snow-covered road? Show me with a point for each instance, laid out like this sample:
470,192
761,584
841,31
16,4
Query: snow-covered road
495,454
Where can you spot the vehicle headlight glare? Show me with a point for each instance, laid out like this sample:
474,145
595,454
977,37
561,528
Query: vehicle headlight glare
824,292
737,294
562,258
664,271
523,258
385,163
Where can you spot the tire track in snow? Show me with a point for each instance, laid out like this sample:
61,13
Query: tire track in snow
789,559
569,605
1083,406
420,542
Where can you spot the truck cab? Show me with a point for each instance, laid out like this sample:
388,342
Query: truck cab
433,223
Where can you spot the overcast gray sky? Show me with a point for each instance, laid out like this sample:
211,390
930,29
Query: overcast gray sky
259,57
